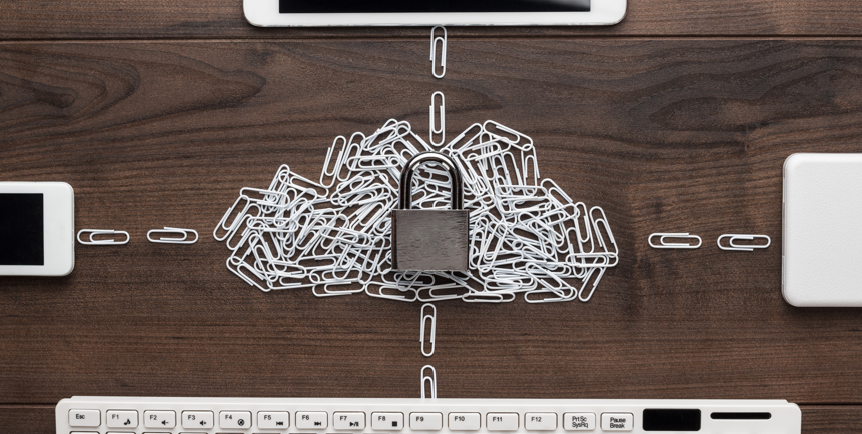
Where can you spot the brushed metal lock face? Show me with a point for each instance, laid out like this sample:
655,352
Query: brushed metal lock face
430,240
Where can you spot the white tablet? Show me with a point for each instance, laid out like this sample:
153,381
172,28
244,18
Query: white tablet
37,229
315,13
822,235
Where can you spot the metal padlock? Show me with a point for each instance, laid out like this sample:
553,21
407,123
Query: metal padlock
426,239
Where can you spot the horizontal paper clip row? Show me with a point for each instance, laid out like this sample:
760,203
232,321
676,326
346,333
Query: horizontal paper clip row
181,236
694,241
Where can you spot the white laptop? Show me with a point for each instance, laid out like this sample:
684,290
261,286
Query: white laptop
314,13
822,237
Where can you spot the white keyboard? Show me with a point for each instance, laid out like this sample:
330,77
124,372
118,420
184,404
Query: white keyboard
106,415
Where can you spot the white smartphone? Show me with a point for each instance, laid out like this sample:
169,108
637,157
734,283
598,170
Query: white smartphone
318,13
37,229
822,237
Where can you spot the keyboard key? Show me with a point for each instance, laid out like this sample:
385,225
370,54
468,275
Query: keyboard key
540,421
311,419
273,419
122,419
387,421
426,421
465,421
234,419
579,421
198,419
617,421
160,419
85,418
502,422
348,420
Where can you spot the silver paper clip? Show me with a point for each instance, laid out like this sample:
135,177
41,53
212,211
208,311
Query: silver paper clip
432,381
433,329
94,232
432,128
665,245
444,39
744,247
173,240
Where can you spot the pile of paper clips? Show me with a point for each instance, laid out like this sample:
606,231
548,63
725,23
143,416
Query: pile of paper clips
333,235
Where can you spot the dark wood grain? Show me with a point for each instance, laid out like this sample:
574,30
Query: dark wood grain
30,419
830,419
81,19
670,135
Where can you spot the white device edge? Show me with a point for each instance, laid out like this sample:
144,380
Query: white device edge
785,417
58,223
784,294
796,158
264,13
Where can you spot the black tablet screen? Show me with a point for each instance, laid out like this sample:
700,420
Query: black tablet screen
22,237
419,6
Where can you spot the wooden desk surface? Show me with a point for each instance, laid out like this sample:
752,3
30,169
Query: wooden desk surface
677,119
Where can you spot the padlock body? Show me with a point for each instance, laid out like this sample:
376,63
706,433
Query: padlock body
430,240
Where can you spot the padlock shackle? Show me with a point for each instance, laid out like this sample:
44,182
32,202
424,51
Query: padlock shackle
405,199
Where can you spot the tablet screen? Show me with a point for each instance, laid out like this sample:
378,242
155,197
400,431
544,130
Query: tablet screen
21,229
424,6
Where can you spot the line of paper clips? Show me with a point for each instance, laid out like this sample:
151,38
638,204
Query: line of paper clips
179,236
431,319
332,235
689,241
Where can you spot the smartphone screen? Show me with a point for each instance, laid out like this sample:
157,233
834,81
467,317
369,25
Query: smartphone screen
22,235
